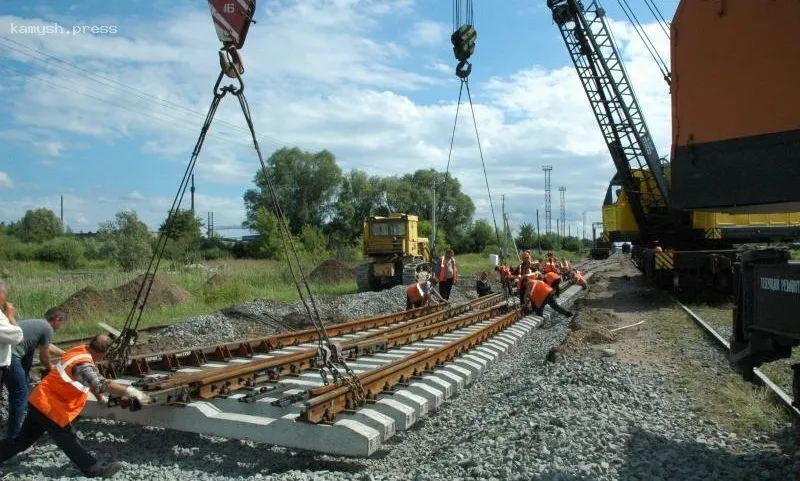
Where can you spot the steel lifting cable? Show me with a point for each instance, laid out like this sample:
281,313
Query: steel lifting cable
463,39
329,354
645,38
120,348
651,5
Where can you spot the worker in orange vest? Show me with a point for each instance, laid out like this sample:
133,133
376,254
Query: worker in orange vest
448,274
538,295
553,280
521,273
60,398
550,264
421,294
504,273
578,277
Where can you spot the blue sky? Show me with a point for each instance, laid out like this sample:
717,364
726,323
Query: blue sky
109,120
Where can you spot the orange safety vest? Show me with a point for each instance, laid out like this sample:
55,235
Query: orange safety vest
415,292
550,266
579,278
59,396
551,277
443,270
540,292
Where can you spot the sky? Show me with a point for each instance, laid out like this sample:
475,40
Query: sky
108,120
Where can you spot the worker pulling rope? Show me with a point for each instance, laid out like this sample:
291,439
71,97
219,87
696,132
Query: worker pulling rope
463,40
232,21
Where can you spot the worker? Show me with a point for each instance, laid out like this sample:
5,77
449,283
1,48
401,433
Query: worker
448,274
577,276
522,273
553,280
37,333
566,268
421,293
60,398
550,264
482,285
505,276
540,294
10,332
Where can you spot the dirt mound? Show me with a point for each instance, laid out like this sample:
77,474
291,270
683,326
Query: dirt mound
162,293
332,270
590,327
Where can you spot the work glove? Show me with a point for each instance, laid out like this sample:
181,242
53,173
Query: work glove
138,395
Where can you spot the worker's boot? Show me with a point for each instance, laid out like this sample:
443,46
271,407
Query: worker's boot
103,470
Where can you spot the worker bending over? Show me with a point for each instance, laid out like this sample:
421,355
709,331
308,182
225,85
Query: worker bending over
60,398
577,276
538,295
553,280
421,294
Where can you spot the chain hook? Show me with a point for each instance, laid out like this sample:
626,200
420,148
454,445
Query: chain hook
230,61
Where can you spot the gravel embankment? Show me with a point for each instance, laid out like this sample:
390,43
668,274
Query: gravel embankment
524,419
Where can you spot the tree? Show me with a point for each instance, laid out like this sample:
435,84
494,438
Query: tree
304,183
358,196
527,237
183,237
269,244
127,239
482,235
37,226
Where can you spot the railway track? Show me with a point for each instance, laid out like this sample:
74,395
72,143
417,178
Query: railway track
270,389
784,398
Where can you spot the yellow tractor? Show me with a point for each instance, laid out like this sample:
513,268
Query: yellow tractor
397,253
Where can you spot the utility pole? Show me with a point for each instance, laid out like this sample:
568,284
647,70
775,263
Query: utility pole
547,214
62,212
562,190
583,224
192,194
538,233
433,217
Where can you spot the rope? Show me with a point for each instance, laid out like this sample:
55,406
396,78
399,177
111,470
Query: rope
658,16
326,350
651,48
121,346
449,157
483,164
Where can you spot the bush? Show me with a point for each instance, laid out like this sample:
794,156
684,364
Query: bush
491,249
215,253
67,252
93,249
13,249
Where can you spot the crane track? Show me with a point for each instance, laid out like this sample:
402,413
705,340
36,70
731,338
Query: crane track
784,398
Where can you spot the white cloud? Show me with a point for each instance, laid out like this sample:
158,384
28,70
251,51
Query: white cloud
52,148
133,196
427,34
5,181
318,77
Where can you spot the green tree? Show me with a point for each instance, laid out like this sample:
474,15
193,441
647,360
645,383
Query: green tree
527,237
37,226
269,244
358,195
127,239
183,236
305,185
482,235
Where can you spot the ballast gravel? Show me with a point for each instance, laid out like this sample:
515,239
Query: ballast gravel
524,419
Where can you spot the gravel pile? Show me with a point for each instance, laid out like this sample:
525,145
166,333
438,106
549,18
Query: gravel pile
261,318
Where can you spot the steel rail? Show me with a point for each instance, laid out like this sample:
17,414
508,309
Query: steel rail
785,398
182,387
328,401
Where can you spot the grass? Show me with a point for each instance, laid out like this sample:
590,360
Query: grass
726,398
35,287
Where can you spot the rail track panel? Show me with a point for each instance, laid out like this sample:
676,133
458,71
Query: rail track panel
410,369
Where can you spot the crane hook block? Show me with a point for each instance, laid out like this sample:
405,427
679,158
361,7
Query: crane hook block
232,19
463,40
463,69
